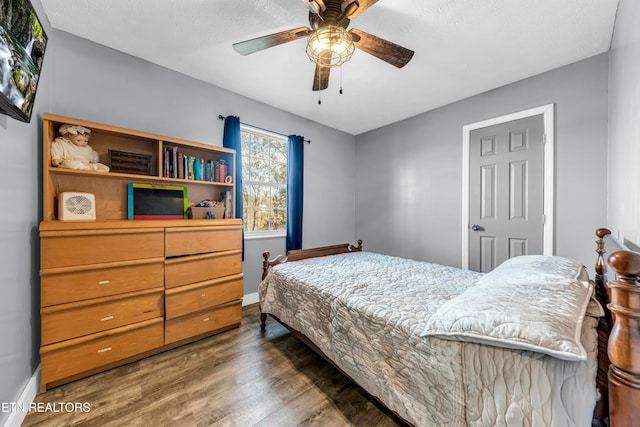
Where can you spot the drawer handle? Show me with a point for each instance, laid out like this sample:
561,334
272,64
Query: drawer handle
203,295
103,282
104,319
104,350
206,319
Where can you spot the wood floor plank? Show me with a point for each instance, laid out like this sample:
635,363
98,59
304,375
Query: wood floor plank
240,377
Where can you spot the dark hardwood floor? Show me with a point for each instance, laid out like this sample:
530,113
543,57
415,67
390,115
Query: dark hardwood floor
237,378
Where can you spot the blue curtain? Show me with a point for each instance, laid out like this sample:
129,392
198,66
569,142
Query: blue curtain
231,139
295,175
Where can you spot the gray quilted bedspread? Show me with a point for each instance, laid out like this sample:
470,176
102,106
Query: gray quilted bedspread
366,312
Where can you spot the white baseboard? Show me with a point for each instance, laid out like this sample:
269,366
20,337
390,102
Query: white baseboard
24,401
250,299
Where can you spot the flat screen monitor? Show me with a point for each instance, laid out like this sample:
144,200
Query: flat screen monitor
148,201
22,46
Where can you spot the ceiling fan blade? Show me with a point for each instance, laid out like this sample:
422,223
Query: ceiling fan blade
363,5
389,52
248,47
321,78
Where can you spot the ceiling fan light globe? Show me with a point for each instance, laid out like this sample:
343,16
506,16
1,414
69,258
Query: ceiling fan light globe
330,46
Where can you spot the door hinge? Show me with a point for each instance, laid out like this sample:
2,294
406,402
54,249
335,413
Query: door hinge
544,138
544,219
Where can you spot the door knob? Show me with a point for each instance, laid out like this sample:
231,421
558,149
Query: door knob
475,227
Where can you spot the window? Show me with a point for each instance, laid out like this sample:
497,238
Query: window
264,176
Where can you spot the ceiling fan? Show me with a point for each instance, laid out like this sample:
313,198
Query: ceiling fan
328,42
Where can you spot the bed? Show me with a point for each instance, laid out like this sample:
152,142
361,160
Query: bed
443,346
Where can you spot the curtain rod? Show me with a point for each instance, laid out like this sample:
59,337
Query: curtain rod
221,117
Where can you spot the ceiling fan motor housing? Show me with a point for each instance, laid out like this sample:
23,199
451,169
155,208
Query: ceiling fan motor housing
331,14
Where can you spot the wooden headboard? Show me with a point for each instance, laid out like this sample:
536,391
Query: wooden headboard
298,254
618,332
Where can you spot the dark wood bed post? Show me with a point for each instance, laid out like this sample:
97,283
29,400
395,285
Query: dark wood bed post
601,411
624,341
601,266
265,270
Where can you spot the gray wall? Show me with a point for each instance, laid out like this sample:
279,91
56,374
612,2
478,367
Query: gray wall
88,81
409,174
19,252
20,189
624,124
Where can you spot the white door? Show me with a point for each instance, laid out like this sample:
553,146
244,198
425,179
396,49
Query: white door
506,191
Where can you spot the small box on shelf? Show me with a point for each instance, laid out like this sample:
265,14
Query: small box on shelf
216,212
125,162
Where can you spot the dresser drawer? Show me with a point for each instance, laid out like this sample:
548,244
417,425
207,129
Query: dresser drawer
190,298
202,322
197,268
198,240
80,247
68,284
82,354
66,321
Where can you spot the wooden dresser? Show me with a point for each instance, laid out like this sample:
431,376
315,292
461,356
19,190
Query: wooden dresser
115,290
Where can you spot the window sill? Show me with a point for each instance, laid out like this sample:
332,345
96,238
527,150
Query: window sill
265,235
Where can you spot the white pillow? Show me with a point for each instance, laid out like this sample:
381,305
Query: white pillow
535,268
532,302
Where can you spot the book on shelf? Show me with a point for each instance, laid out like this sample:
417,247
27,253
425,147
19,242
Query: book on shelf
223,171
207,171
174,162
227,201
165,163
183,166
198,165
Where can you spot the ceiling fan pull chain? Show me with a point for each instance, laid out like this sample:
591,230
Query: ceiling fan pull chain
340,79
319,90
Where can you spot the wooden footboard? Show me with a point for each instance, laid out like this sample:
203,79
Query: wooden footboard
624,341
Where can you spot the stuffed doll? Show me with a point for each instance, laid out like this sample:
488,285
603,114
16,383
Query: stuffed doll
72,150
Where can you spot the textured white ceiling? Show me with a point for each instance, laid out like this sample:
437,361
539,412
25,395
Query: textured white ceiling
462,48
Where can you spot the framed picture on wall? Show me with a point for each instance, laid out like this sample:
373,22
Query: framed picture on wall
22,46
